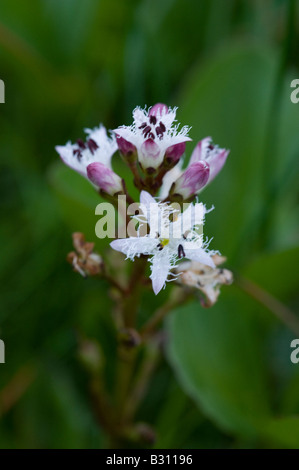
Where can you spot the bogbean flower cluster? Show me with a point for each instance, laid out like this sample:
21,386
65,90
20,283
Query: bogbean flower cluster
153,147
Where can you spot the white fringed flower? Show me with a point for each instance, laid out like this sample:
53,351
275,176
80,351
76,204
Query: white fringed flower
152,133
173,235
98,148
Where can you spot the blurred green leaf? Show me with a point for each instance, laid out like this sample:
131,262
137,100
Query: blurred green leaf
77,199
228,97
217,356
283,432
275,272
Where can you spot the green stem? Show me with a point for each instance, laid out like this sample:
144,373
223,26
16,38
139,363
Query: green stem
270,302
131,301
178,297
127,357
139,387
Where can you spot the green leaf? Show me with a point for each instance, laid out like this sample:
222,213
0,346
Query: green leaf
283,431
228,98
217,355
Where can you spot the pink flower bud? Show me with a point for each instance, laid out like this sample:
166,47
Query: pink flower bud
150,155
158,109
174,153
104,178
206,151
126,148
192,180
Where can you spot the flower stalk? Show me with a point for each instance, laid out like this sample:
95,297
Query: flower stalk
167,238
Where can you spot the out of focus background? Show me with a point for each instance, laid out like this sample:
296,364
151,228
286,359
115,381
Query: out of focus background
226,379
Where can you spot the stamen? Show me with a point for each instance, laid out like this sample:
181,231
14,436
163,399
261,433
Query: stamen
181,252
147,130
151,136
153,120
92,145
77,153
142,125
162,126
159,132
160,246
81,144
211,147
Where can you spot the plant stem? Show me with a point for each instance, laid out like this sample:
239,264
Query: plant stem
179,297
139,387
270,302
102,407
115,283
131,300
127,358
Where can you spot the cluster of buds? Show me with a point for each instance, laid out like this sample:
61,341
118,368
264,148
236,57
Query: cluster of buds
153,147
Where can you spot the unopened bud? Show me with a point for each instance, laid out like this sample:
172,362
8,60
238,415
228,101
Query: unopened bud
206,151
158,109
192,180
108,181
174,153
125,147
150,156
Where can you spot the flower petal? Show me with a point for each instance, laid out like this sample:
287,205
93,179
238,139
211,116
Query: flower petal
199,153
150,155
147,199
161,266
191,218
134,246
97,148
217,163
199,254
168,180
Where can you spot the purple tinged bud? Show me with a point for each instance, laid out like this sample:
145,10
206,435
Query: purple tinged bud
213,155
192,180
108,181
150,154
199,152
174,153
217,163
126,148
158,109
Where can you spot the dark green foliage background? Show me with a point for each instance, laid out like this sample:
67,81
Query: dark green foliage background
227,379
